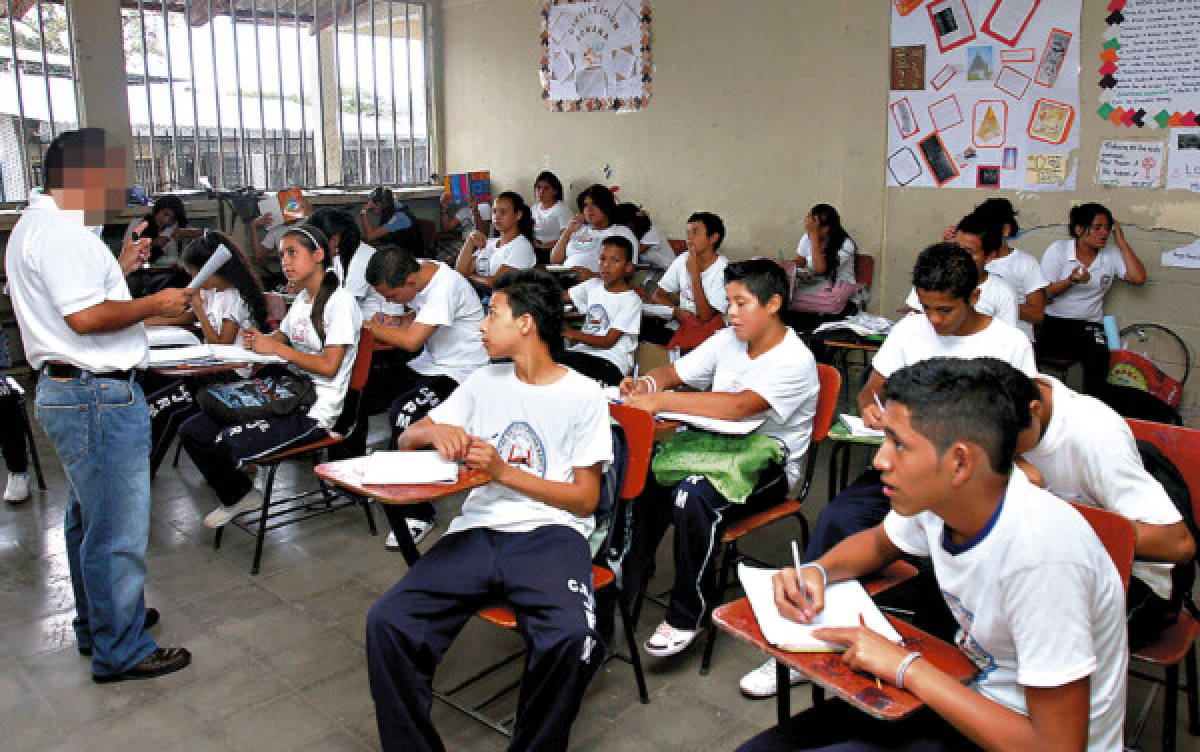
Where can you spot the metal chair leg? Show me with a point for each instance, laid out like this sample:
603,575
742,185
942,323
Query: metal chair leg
1170,709
262,518
630,644
1193,691
722,581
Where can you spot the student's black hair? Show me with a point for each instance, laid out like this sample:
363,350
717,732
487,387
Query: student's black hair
339,223
618,241
946,267
982,226
1085,214
525,221
828,217
545,176
537,293
602,199
391,265
387,204
1002,212
171,203
635,218
712,225
1019,386
960,399
312,238
237,271
76,149
762,277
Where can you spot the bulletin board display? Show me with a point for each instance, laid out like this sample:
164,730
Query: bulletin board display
984,94
595,55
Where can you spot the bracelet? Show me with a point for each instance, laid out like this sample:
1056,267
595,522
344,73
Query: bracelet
819,568
651,384
904,664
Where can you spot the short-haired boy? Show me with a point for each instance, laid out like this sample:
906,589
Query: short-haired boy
612,308
982,238
694,284
756,367
541,431
1036,597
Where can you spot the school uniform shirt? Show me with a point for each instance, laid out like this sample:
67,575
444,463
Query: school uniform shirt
784,376
342,322
370,302
545,430
1024,275
220,305
996,299
655,249
1085,300
914,339
56,266
548,224
677,281
603,311
845,267
583,248
1037,600
517,253
449,304
1088,455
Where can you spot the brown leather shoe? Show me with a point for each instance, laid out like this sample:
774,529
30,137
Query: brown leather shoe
161,661
151,619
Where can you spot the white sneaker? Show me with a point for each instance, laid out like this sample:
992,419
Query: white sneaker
18,488
418,529
668,640
761,681
223,514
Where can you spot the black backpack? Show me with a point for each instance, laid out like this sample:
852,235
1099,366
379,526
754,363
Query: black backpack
1165,472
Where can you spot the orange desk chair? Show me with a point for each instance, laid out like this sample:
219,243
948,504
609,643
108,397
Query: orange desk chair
1177,643
276,513
638,426
831,385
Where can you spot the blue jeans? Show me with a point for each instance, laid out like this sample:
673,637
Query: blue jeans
100,429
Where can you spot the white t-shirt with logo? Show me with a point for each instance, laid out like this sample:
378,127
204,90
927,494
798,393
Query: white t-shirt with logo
546,431
845,266
583,248
517,253
449,304
914,339
784,376
996,299
677,281
56,266
1037,600
1024,275
1084,300
370,302
604,310
548,224
1088,455
343,321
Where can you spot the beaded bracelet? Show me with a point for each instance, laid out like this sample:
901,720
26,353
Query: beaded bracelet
904,664
651,384
819,568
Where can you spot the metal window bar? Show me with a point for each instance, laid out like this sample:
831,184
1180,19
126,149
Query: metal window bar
337,69
283,130
243,148
262,105
46,69
187,14
362,161
23,137
320,104
412,143
177,173
212,38
392,80
375,94
146,83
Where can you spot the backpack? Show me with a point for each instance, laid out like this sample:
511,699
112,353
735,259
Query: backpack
253,399
1183,576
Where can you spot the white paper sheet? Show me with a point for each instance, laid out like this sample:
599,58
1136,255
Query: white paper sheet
657,311
715,425
218,259
1183,159
170,336
857,427
410,467
1130,164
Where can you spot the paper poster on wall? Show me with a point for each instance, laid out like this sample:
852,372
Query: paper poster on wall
595,55
1001,85
1183,159
1150,64
1130,164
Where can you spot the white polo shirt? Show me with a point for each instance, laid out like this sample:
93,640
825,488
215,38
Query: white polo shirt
1084,300
57,267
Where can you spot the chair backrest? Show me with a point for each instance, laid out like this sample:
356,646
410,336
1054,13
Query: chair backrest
1117,535
864,269
362,361
678,245
638,426
827,397
1181,446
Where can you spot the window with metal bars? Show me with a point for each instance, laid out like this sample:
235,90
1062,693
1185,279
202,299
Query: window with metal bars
277,93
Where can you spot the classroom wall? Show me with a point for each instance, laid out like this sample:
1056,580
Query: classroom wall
760,109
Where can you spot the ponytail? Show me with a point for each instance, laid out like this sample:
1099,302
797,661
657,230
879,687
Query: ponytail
525,222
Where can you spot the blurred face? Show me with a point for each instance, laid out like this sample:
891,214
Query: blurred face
164,217
593,215
1095,235
974,246
914,477
544,193
299,264
748,316
698,239
400,294
95,187
501,332
613,267
946,313
503,216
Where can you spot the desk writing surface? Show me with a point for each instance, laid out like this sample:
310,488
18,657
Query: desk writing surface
839,432
344,474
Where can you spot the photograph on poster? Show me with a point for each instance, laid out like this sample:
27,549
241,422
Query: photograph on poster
952,25
988,176
979,63
1008,20
905,118
1010,158
1053,57
989,123
941,166
1051,121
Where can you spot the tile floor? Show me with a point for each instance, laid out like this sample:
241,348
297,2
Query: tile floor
278,658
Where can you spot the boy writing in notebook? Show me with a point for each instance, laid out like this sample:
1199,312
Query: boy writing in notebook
755,368
1036,597
541,432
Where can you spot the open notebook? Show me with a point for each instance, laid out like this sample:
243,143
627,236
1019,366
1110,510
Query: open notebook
845,602
200,355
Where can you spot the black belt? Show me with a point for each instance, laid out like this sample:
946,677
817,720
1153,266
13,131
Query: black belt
67,371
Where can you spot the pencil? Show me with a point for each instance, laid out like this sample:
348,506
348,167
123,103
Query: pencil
863,621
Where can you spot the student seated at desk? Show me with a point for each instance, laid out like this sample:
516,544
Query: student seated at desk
946,279
397,224
1081,450
1019,269
757,367
445,333
165,226
482,260
612,310
541,432
980,235
694,286
579,245
319,339
1036,596
551,215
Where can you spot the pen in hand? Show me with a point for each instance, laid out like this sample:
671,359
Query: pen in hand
878,403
